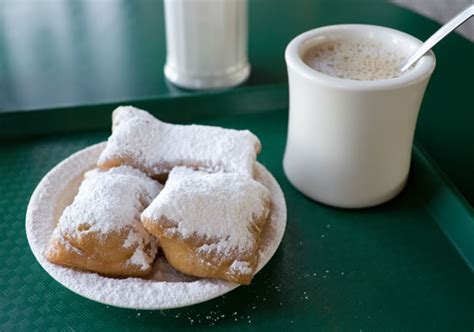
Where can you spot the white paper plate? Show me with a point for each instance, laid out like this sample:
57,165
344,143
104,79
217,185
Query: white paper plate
166,288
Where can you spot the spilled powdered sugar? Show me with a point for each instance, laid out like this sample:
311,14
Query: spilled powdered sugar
110,201
214,206
158,146
161,292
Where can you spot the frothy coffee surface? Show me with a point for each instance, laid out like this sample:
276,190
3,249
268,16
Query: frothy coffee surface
355,60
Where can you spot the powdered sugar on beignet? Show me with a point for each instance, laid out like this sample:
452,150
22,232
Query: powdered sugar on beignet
140,140
212,221
101,230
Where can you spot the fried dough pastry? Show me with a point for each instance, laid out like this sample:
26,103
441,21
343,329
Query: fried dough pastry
140,140
209,224
101,230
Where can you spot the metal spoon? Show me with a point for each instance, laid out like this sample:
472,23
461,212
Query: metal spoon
437,36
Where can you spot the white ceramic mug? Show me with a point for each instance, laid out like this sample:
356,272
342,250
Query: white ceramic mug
206,43
349,142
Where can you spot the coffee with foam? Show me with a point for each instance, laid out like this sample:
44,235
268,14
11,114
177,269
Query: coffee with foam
352,59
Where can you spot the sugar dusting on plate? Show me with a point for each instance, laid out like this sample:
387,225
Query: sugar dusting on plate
156,293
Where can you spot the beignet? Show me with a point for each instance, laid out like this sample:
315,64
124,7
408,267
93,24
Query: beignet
101,230
140,140
209,224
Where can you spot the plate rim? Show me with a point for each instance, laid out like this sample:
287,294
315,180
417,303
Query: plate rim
224,286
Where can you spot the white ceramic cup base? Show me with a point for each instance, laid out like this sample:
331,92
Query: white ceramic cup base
349,142
298,183
227,80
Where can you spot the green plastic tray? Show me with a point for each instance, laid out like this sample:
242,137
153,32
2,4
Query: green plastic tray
405,265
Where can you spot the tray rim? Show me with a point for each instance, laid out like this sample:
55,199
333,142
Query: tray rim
459,229
96,116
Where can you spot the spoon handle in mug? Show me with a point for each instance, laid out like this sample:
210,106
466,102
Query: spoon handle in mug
438,35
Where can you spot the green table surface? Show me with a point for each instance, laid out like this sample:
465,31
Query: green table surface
387,268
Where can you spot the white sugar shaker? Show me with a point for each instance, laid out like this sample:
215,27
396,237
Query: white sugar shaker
206,43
